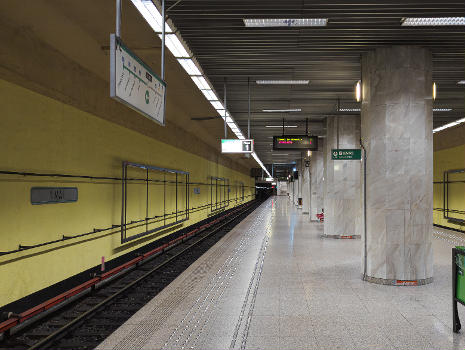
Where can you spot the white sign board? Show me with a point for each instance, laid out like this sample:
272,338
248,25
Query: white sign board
133,83
236,146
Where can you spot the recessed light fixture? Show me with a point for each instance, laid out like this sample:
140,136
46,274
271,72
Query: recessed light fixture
457,122
280,126
285,22
442,109
349,109
201,82
282,82
282,110
461,82
433,21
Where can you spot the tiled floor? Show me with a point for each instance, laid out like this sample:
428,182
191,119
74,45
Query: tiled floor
274,283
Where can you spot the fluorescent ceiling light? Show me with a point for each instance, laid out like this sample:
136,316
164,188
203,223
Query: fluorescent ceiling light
173,44
283,82
433,21
457,122
189,66
285,22
210,95
282,110
217,105
461,82
349,109
280,126
151,15
201,82
442,109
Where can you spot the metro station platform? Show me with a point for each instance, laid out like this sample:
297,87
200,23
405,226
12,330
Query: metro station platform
274,283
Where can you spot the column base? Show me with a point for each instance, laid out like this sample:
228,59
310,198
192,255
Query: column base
394,282
342,236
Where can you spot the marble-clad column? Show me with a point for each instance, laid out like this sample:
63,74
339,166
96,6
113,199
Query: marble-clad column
305,189
317,181
342,179
397,133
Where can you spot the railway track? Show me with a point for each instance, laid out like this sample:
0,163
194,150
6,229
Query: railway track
87,321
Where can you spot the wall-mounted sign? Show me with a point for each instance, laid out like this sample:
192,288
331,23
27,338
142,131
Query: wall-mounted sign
346,154
236,146
295,142
196,190
52,195
133,83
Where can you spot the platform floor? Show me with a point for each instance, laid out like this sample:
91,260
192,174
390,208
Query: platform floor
274,283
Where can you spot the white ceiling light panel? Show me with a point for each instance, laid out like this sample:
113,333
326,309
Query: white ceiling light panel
210,95
201,82
175,46
285,22
433,21
282,110
283,82
151,15
189,66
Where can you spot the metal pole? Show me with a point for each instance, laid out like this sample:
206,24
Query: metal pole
248,122
306,126
225,109
163,40
283,126
365,247
118,18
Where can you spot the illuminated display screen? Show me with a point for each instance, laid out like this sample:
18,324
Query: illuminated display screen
295,142
236,146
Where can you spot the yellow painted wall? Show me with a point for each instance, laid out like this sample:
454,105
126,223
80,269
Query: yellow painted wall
447,159
39,134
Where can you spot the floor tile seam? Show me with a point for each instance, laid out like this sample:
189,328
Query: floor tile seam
238,257
254,295
174,302
244,304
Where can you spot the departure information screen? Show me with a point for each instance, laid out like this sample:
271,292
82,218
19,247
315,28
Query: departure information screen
295,142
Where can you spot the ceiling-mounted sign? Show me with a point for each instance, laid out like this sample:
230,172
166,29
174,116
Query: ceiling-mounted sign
295,142
346,154
133,83
236,146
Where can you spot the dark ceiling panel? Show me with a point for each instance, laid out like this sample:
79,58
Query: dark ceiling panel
328,56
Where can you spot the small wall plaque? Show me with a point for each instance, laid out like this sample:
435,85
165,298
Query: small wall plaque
52,195
197,190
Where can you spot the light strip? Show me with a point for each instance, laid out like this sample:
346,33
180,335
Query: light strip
461,82
433,21
151,15
282,82
285,22
189,66
447,126
282,110
349,109
175,44
210,95
201,82
442,109
280,126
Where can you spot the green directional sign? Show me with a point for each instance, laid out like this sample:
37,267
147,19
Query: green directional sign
346,154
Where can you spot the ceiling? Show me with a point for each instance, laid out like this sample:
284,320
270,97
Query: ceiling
327,56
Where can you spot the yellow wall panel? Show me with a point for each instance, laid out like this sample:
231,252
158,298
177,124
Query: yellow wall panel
449,159
39,134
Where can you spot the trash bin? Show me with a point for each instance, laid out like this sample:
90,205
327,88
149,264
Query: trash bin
460,262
